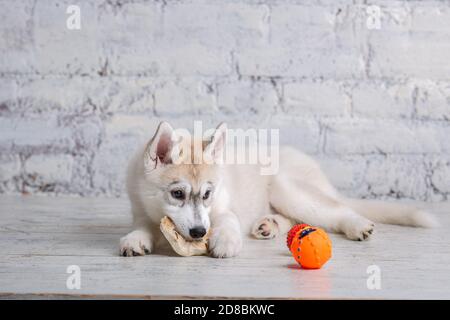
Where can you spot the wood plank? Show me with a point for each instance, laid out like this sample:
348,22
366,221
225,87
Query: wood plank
40,237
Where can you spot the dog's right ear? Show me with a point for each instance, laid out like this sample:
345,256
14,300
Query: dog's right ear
159,149
214,150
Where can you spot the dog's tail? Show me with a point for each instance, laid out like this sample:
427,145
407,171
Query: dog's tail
392,213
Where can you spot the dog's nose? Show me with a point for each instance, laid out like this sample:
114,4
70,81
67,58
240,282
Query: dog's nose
197,232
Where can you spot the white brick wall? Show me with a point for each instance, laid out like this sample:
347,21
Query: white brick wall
372,105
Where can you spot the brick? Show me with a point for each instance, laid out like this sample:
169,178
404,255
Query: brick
218,26
441,176
55,94
84,95
109,168
49,169
345,173
115,23
131,96
81,182
247,97
59,49
151,49
315,99
377,136
37,133
129,52
382,100
397,177
431,17
304,134
185,97
8,95
184,60
16,47
9,167
433,100
85,132
304,42
398,56
411,45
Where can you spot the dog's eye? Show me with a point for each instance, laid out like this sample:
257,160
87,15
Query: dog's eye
177,194
207,194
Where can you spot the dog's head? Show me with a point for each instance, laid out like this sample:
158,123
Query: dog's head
186,171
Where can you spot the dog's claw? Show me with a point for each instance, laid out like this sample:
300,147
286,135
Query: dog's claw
266,228
359,229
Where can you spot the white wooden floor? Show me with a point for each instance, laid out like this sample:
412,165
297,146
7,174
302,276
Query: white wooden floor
40,237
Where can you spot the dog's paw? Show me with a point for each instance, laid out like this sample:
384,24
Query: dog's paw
266,228
136,243
358,228
225,243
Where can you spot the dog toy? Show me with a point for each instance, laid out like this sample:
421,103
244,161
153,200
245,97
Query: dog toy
179,244
309,245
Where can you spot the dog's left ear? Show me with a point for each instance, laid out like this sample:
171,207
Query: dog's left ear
214,150
159,149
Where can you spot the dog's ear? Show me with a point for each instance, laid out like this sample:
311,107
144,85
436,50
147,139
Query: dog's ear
159,149
214,150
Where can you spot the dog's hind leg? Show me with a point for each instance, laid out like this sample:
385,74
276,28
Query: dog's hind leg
306,203
270,226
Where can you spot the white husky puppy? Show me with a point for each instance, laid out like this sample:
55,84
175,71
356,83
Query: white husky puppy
236,200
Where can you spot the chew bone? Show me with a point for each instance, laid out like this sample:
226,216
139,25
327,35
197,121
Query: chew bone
179,244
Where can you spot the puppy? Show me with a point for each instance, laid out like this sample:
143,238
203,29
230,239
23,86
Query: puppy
169,176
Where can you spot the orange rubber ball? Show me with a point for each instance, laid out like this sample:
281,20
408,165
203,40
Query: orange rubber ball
310,246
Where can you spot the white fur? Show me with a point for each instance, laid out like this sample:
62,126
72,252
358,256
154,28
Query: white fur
246,202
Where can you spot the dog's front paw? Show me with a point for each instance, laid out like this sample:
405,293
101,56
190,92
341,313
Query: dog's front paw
225,243
358,228
136,243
